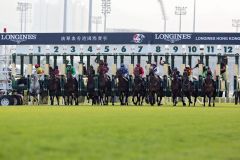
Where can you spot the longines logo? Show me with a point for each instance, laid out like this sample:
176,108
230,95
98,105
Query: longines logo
18,38
172,38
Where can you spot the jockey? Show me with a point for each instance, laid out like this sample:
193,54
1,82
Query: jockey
153,69
176,72
138,71
206,71
50,70
39,70
70,68
188,69
209,72
103,67
124,71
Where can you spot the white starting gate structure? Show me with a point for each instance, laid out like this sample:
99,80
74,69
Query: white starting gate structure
177,49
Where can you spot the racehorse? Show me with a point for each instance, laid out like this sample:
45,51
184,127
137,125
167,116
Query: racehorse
71,91
104,88
176,88
34,89
139,91
237,92
91,93
187,88
54,88
155,90
123,88
209,90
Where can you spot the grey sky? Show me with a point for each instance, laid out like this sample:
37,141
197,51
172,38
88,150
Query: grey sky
212,15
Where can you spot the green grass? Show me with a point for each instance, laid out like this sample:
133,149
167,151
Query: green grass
114,133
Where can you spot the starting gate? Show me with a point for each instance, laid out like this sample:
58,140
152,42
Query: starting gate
176,49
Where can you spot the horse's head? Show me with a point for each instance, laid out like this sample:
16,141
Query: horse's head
52,76
175,76
118,74
185,75
69,75
34,78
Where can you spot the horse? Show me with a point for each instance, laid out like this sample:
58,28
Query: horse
187,88
237,92
104,88
209,90
123,88
91,93
34,89
54,88
155,89
139,91
71,91
176,88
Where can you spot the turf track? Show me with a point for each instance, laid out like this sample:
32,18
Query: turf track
114,133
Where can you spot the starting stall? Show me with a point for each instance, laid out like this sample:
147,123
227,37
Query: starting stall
85,49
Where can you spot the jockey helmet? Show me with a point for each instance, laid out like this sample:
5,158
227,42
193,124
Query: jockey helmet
137,65
122,65
187,66
153,65
37,65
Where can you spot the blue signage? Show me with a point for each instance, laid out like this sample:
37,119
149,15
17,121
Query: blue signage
118,38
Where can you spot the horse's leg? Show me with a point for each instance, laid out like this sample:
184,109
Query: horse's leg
189,100
51,99
57,97
76,99
142,98
209,100
138,99
134,97
120,98
126,100
68,99
101,98
183,101
160,99
112,98
213,101
72,98
195,100
238,96
204,99
173,99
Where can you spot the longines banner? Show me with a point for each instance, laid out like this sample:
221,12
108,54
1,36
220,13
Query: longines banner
118,38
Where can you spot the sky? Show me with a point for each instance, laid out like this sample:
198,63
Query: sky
142,15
